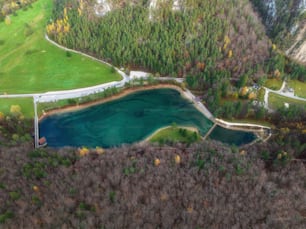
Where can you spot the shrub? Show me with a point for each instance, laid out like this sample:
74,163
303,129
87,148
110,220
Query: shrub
38,153
15,110
15,137
14,195
36,170
112,196
86,207
112,70
36,200
68,54
157,162
2,186
83,151
130,169
177,159
7,20
28,31
7,215
2,116
72,101
99,150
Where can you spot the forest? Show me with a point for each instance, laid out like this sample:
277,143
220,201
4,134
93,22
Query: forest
217,46
280,23
206,184
206,37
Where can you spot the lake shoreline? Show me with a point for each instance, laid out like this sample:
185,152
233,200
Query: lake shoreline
123,93
127,91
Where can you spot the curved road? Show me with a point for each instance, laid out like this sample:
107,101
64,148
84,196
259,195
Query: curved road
74,93
279,92
80,92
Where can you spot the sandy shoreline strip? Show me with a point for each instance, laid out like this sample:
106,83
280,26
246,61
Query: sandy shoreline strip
121,94
126,91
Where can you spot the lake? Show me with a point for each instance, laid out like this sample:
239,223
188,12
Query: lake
129,119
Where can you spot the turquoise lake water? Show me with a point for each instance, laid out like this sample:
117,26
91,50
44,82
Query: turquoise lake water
127,120
232,137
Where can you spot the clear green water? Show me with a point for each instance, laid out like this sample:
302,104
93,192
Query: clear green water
232,137
126,120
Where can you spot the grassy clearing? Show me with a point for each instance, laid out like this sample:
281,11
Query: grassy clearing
28,63
175,134
26,104
278,101
273,84
299,88
261,94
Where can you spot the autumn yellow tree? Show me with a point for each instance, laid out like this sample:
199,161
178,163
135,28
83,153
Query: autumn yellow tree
2,116
230,53
244,91
60,26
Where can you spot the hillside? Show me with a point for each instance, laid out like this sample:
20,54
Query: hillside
166,37
31,64
204,185
286,24
207,184
219,47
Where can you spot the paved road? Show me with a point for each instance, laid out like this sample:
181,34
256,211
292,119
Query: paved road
80,92
279,92
76,93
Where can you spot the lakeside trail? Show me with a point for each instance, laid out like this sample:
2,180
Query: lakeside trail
81,92
123,93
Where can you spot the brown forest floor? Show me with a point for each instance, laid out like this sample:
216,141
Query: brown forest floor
211,187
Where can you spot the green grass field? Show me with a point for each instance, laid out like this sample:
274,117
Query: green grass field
273,84
30,64
261,94
175,134
299,88
26,105
277,101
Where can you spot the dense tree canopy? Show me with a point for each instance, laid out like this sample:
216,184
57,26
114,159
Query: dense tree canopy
204,37
280,18
219,46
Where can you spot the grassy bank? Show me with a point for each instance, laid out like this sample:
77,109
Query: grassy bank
30,64
175,134
26,105
299,88
277,101
273,84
